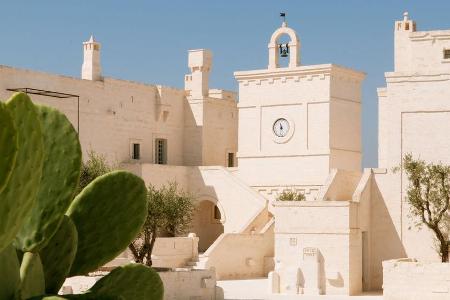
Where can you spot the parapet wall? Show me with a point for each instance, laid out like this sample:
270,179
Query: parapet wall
407,279
168,252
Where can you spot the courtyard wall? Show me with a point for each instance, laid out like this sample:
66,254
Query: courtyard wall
407,279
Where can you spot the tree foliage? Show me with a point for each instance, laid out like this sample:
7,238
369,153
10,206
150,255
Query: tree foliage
170,212
291,195
95,166
428,194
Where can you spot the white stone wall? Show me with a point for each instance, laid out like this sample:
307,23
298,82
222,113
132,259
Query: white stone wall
168,252
331,227
406,279
190,284
420,52
220,134
114,114
414,117
178,285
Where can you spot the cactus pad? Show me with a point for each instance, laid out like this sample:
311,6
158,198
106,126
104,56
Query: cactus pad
86,296
31,276
132,282
9,273
60,175
57,257
17,197
8,150
108,214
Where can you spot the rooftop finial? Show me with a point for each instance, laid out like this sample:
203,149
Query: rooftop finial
91,39
405,16
283,15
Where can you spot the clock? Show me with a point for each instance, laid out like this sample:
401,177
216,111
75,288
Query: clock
281,127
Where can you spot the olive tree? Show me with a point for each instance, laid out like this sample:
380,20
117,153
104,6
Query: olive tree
428,195
96,165
170,212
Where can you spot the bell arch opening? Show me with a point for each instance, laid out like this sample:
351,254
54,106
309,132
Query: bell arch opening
284,44
279,49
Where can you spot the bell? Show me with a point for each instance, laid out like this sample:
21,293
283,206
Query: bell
284,50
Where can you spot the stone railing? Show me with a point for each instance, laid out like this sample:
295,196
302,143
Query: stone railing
168,252
178,284
407,279
175,252
252,254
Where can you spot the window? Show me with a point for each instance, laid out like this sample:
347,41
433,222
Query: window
136,154
161,151
217,215
447,54
230,160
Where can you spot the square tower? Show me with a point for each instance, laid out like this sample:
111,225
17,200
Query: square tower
297,122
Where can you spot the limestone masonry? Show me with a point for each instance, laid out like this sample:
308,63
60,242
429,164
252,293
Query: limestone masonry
294,128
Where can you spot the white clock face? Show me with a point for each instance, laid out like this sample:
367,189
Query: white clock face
281,127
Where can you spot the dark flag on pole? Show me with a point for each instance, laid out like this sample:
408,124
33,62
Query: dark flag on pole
283,15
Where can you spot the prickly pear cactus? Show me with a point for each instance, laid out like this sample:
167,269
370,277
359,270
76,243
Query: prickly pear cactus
31,276
60,175
18,195
86,296
57,257
34,195
108,214
123,280
8,140
9,274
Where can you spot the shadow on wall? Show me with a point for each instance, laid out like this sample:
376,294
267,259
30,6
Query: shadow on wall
207,223
337,282
322,273
385,242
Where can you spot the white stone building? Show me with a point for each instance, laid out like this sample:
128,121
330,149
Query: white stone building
297,128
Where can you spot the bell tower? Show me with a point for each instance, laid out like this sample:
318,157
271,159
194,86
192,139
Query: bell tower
298,122
91,69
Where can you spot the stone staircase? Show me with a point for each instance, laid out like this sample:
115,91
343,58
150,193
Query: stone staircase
199,263
250,259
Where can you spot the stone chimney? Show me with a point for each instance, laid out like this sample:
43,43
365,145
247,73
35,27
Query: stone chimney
91,69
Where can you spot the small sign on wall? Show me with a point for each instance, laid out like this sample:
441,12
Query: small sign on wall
309,253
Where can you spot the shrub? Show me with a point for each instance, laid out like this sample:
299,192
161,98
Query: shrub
290,195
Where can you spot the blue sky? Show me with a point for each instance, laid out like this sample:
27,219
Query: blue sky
148,40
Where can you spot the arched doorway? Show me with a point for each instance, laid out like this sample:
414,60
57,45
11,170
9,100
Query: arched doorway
207,224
